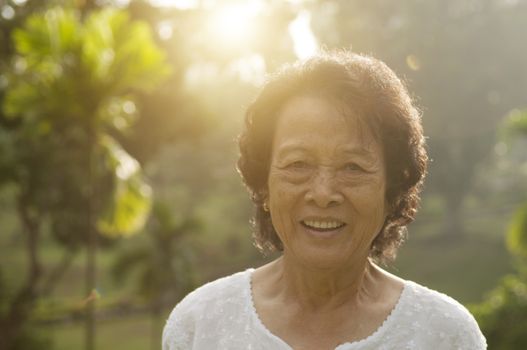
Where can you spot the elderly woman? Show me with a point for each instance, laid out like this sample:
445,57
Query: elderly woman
333,156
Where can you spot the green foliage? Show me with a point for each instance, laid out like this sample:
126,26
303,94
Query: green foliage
517,235
46,67
516,122
502,317
513,126
164,265
115,47
67,68
71,84
70,90
128,210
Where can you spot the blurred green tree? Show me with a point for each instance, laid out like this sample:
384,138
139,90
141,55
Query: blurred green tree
503,315
70,90
164,268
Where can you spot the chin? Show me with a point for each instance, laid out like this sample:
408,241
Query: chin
323,258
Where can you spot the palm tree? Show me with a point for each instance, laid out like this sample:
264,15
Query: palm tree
71,91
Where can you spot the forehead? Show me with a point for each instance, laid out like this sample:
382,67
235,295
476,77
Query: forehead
316,122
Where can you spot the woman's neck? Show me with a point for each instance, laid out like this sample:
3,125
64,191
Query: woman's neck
324,289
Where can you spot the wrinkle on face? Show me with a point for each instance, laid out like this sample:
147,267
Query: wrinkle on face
317,150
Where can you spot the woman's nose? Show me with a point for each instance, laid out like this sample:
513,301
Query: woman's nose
324,190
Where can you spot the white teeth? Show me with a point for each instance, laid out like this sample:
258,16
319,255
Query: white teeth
323,224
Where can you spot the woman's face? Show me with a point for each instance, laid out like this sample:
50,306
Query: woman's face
326,187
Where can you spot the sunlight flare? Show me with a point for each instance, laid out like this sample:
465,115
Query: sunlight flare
304,41
232,26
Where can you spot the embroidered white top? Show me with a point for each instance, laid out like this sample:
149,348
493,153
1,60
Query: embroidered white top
221,315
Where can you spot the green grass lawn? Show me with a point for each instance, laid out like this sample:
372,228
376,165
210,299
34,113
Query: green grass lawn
465,269
130,334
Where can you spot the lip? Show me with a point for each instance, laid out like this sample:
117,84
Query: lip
323,232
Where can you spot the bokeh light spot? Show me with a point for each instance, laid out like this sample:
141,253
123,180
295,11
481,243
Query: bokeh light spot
413,62
165,30
304,41
129,107
250,69
8,12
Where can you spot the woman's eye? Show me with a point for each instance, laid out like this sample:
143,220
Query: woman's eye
298,165
353,167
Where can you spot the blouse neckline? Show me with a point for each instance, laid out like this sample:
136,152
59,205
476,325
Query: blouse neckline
386,324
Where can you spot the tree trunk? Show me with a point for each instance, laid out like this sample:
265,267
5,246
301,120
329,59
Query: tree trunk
155,325
20,308
91,292
91,248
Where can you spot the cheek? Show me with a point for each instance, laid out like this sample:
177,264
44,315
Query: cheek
283,191
370,207
283,199
368,199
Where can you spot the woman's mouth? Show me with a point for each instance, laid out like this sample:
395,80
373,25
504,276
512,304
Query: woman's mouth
322,227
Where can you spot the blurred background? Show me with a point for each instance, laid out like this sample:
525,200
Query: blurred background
118,122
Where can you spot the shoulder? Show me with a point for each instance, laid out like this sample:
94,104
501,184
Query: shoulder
200,305
443,317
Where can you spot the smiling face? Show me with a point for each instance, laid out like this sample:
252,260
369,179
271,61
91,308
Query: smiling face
326,185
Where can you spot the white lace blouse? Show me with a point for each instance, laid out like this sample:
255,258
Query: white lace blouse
221,315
